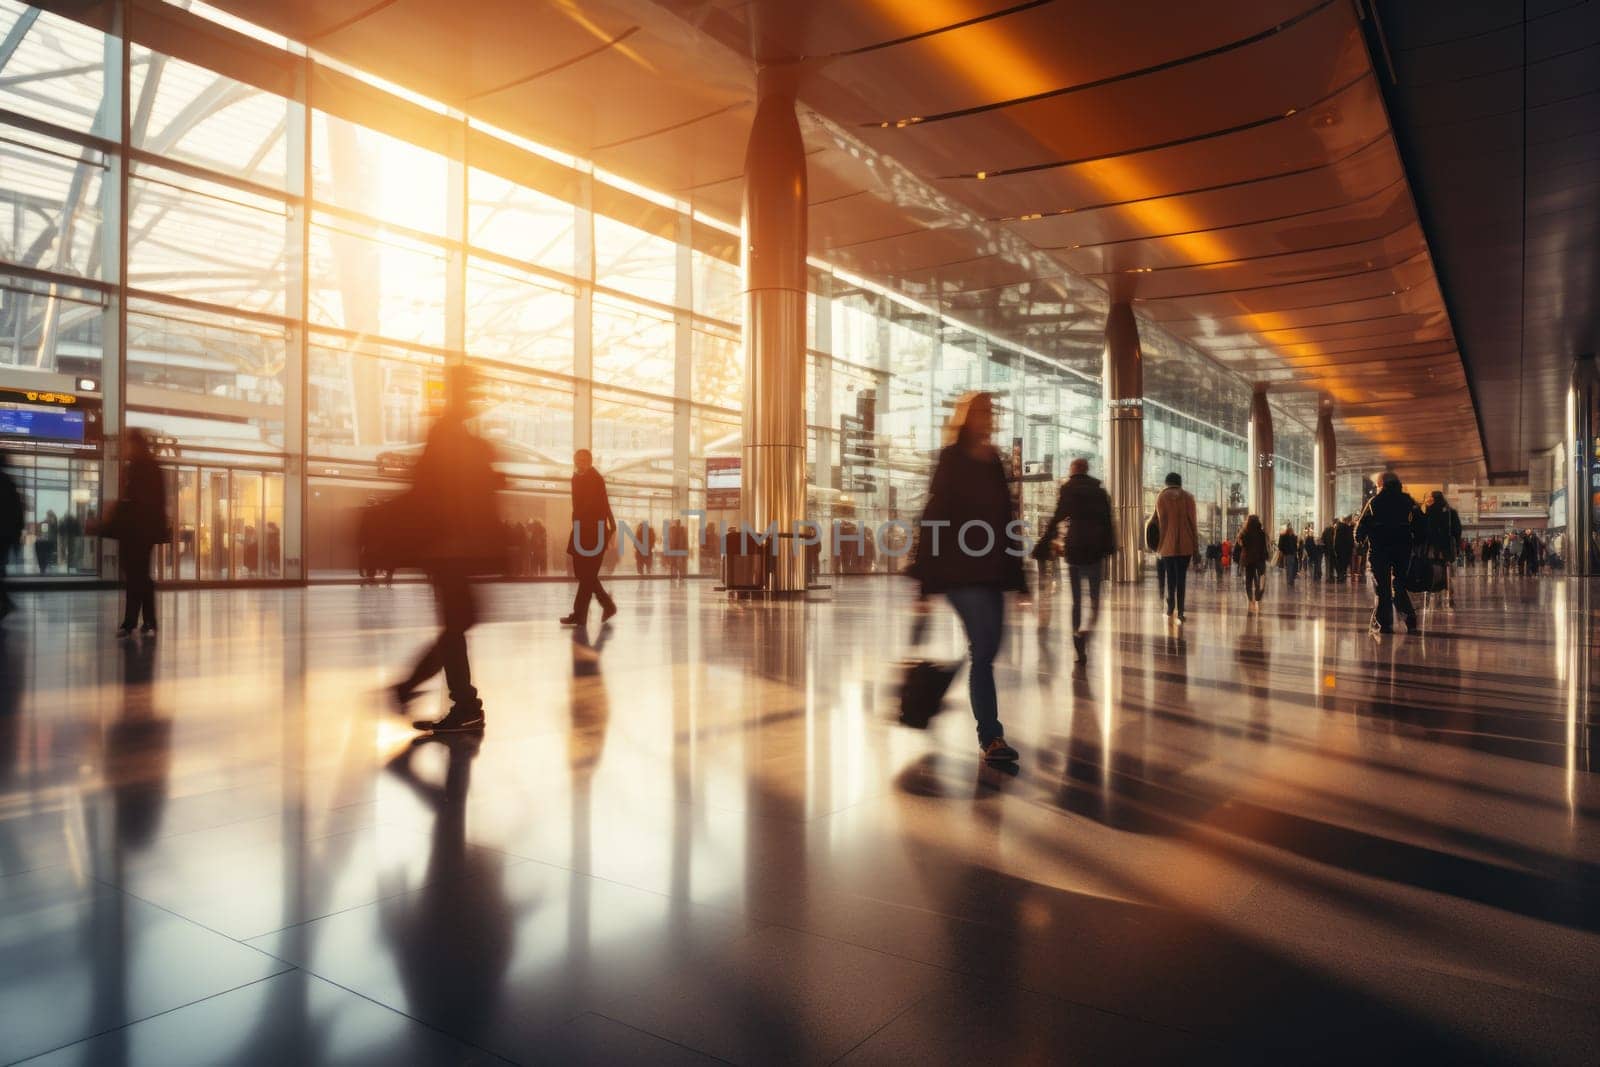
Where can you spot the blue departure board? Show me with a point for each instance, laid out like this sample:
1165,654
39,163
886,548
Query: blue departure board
41,423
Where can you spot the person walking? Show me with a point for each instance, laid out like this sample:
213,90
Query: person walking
1175,516
1253,558
1289,554
593,530
538,549
455,533
139,523
1312,548
1086,509
964,552
10,527
1391,528
1441,536
1344,548
1227,560
642,548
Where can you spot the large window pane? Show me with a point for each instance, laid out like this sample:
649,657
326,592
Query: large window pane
633,439
50,327
50,204
519,222
185,351
633,347
366,399
515,318
57,71
718,288
718,369
190,113
634,261
206,242
376,284
529,423
362,170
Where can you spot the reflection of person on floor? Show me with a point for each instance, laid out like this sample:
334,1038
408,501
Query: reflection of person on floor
457,534
139,523
453,938
138,751
593,530
10,527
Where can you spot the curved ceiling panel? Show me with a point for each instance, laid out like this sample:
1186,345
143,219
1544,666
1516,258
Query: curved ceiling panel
1228,167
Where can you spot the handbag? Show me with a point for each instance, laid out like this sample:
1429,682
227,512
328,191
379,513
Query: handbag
1152,534
1419,574
923,683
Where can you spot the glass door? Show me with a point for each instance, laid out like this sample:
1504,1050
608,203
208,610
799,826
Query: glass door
248,524
213,539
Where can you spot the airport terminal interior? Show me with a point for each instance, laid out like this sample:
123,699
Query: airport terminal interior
1267,328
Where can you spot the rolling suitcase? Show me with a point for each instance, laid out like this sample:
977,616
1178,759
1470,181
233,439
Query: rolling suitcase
923,683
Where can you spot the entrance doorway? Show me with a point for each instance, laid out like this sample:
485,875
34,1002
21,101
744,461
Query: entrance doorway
60,502
227,525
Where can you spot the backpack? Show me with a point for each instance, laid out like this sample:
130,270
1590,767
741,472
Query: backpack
1152,534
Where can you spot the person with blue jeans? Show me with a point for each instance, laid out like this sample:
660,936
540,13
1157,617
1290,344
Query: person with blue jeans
968,549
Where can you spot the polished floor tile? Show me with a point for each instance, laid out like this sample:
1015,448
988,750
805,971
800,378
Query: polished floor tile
698,836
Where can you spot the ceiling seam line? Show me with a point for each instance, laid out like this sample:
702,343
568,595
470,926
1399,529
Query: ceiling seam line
1033,98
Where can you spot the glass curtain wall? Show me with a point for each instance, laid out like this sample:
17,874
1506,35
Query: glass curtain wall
301,266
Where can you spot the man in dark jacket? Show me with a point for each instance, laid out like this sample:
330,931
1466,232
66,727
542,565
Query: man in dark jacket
1086,508
1344,548
457,533
593,529
10,528
140,523
1391,526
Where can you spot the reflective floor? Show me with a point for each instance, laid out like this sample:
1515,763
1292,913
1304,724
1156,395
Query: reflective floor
698,836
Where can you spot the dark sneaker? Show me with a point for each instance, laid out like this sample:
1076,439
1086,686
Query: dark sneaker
997,751
571,620
1411,623
124,631
459,720
607,611
148,628
1080,644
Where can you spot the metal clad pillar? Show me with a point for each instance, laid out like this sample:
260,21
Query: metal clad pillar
1583,468
774,259
1325,468
1123,375
1261,461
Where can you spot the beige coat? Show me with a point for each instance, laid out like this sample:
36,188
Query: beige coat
1175,517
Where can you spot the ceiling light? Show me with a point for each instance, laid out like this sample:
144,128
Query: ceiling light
982,174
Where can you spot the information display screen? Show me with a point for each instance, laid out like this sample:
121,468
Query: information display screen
40,422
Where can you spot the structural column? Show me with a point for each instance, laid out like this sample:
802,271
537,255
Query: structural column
1583,468
1325,468
1123,375
1260,459
774,256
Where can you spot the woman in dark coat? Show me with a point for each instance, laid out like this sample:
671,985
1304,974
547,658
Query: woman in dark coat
1253,557
968,549
140,522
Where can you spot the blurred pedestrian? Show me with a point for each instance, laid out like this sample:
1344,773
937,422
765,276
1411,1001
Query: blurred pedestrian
139,523
455,533
964,551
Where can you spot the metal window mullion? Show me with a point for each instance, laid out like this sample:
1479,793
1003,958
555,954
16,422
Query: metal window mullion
822,417
114,257
683,361
583,316
297,305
